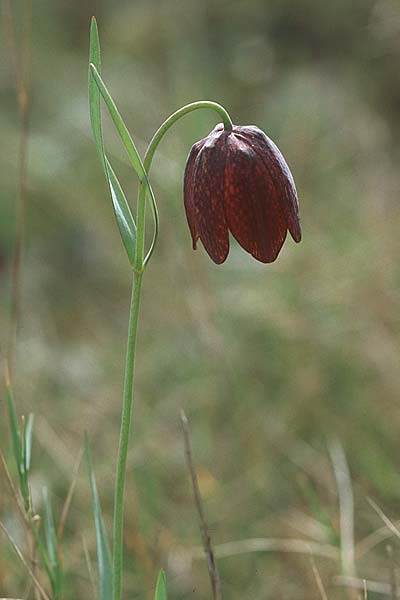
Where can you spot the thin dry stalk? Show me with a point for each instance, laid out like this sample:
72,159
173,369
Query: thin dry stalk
14,491
392,572
365,585
389,524
318,579
25,563
290,545
365,590
89,566
34,565
68,499
207,545
31,586
374,539
346,507
24,517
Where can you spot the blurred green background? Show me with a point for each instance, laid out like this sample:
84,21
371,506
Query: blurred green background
271,363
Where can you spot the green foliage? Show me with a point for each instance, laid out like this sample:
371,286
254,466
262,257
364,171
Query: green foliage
125,221
122,211
22,445
104,564
161,587
28,432
52,546
22,448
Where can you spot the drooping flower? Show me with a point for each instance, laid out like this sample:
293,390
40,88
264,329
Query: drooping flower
237,180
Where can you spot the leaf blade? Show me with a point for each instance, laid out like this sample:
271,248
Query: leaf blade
125,221
28,442
130,148
161,587
119,124
13,422
103,551
52,544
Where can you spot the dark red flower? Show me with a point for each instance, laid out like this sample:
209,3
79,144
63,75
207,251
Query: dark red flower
238,181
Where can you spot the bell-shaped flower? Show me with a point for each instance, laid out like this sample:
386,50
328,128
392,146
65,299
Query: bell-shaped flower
237,180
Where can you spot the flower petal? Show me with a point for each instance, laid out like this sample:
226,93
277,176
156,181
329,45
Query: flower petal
188,191
252,204
279,172
207,196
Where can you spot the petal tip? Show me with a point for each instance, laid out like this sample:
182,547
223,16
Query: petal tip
295,232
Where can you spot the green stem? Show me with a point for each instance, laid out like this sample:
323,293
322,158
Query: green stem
124,435
156,139
177,115
139,267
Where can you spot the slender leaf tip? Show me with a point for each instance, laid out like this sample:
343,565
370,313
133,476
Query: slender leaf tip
161,587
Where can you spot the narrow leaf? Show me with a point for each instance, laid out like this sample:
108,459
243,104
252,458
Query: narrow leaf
161,588
28,442
125,221
123,215
51,544
23,474
103,550
15,434
127,141
154,211
94,95
120,125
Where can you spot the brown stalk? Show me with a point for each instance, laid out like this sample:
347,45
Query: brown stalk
205,535
89,566
25,563
68,499
318,579
14,491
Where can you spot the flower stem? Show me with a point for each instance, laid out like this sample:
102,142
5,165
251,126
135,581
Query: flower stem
139,267
124,436
177,115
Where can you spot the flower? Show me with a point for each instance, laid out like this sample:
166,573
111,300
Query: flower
237,180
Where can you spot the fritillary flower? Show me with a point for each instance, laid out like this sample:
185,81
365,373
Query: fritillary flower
238,181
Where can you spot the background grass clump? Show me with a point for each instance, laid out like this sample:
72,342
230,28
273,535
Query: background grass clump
270,363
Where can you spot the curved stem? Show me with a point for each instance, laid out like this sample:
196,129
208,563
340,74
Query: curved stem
156,139
124,436
175,117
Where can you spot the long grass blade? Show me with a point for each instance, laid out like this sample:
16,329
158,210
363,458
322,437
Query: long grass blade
23,473
103,549
52,545
15,433
18,441
28,442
